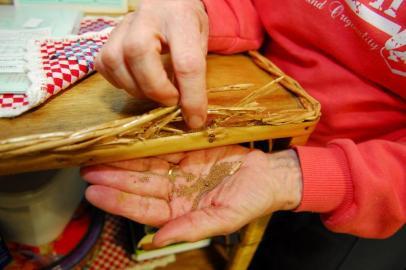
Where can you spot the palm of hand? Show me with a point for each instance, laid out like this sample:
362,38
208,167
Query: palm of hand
208,192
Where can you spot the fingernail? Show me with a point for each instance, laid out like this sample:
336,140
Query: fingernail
195,121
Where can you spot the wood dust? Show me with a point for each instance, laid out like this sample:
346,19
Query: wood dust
206,183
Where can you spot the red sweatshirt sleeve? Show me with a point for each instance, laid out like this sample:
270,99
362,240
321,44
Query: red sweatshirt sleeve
234,26
359,189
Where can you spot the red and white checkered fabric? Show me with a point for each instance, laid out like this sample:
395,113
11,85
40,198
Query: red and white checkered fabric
113,255
65,62
96,24
13,100
55,64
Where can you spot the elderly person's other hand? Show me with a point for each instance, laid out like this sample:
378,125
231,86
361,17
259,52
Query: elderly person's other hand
131,60
197,194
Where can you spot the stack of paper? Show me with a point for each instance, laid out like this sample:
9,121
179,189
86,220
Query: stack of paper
17,27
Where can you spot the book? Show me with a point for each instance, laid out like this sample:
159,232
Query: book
143,249
17,27
60,22
95,6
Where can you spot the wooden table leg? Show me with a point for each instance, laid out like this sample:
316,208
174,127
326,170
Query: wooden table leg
299,140
251,236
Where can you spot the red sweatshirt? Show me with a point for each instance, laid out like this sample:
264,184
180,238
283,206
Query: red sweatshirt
351,56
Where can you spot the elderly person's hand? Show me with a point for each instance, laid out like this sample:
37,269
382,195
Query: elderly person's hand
197,194
131,58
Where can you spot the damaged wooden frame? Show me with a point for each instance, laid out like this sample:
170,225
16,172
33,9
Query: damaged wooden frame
250,99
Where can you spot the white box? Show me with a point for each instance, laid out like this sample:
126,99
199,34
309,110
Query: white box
36,207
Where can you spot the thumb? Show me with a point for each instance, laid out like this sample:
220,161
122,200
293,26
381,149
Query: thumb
199,224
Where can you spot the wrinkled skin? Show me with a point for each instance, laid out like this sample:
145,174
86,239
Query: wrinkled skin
131,59
142,191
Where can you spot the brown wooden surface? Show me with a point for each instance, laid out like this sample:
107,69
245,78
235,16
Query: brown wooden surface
153,147
94,101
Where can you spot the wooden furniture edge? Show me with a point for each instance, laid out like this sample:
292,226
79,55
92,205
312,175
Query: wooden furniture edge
164,145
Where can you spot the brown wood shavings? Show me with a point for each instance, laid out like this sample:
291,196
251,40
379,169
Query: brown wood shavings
58,148
232,87
145,179
175,172
207,183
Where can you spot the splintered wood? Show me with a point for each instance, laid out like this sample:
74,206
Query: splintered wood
206,183
241,109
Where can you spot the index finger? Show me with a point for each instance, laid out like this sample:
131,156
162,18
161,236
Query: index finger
189,62
146,210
